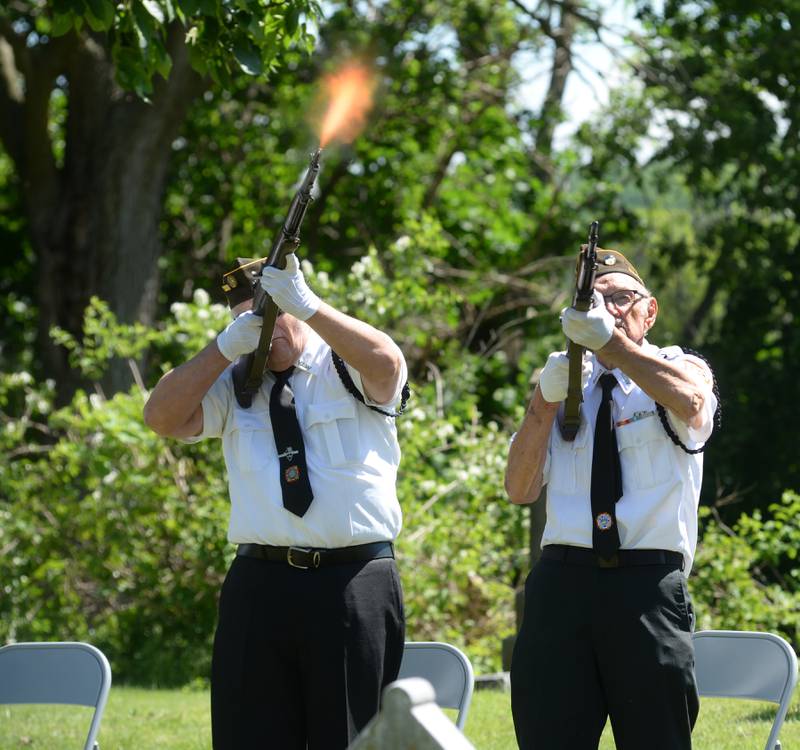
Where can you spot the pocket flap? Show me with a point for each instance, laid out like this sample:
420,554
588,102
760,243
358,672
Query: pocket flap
640,433
247,420
581,437
344,408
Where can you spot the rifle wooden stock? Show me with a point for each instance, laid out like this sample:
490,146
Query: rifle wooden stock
248,372
584,289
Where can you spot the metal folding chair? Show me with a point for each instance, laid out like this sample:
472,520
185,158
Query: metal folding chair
742,664
447,669
57,673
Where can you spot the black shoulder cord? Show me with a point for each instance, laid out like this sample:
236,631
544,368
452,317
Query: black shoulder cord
350,386
662,412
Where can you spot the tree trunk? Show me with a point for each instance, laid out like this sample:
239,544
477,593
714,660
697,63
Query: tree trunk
94,218
551,114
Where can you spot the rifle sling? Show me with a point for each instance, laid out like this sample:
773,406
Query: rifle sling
350,387
572,406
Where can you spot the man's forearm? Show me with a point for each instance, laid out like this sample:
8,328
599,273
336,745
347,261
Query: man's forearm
671,384
174,407
528,451
363,347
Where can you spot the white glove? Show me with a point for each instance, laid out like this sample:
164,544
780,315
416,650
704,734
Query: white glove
592,329
241,336
554,378
289,290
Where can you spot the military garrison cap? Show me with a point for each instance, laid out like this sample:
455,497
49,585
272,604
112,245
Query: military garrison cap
612,261
238,283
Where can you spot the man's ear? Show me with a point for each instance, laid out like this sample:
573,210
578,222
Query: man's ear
652,313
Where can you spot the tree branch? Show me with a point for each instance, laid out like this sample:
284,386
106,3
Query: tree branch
541,21
562,67
443,163
567,6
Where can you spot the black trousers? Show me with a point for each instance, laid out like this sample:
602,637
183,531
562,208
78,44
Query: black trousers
301,656
597,643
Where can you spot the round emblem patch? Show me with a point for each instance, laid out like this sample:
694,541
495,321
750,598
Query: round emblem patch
604,521
609,260
292,474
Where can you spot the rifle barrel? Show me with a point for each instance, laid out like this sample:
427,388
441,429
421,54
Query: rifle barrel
248,372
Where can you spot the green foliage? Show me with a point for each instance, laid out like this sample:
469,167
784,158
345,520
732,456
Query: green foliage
747,577
17,280
451,491
110,535
103,336
445,144
224,38
189,329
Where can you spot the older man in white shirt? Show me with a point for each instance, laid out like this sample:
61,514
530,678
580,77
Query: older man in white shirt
607,625
311,623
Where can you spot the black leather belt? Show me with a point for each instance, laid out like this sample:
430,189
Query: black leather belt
313,557
622,559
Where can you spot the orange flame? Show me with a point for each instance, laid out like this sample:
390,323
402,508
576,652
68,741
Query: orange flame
349,94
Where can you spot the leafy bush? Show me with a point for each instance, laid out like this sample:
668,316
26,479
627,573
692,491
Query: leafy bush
111,535
464,546
747,577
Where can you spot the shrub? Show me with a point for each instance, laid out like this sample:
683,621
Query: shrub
747,577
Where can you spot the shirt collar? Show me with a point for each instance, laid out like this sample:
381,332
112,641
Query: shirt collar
626,385
312,355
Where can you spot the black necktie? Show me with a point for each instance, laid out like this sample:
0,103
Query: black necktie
606,476
295,486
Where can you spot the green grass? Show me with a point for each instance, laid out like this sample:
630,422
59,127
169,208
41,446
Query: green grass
178,720
722,724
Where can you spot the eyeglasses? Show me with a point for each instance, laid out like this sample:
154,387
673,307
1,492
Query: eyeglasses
623,299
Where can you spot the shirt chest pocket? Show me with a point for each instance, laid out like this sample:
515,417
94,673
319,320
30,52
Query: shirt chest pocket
331,430
645,455
569,461
255,444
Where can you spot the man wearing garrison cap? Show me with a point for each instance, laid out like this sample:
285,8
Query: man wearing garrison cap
606,630
311,624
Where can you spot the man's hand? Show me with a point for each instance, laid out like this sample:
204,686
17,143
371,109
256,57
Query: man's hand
554,379
592,329
289,290
241,336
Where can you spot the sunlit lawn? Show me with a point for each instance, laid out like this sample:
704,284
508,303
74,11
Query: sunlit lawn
178,720
722,725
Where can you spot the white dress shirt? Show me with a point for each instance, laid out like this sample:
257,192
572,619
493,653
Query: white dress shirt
352,455
661,483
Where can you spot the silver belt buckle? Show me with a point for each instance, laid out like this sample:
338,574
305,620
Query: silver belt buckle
314,558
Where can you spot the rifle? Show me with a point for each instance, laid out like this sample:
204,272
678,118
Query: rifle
584,288
248,372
